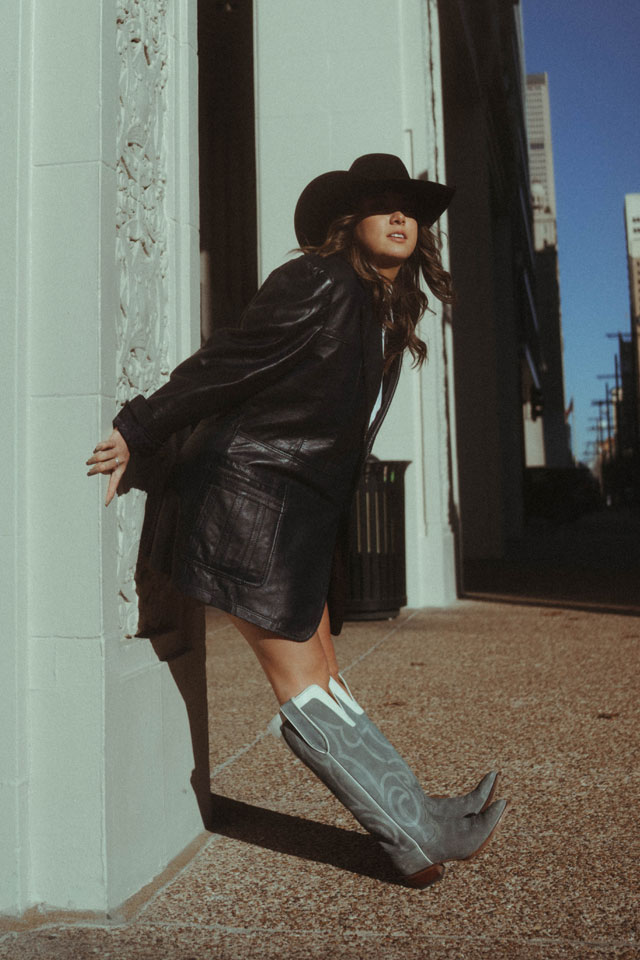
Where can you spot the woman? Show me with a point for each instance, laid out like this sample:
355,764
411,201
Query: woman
285,409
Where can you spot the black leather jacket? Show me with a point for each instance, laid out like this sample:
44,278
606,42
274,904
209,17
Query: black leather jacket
281,409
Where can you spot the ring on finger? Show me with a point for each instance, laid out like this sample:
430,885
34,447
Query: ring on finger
117,461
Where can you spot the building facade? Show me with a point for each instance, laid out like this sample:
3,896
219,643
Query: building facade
630,353
555,450
632,231
543,187
104,757
101,781
494,326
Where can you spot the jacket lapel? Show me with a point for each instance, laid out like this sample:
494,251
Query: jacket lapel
389,384
372,355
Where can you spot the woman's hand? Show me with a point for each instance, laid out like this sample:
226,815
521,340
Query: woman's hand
110,456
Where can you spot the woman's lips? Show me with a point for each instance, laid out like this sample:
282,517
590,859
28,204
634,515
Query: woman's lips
397,235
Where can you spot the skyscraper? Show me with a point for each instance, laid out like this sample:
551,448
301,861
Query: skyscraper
543,189
632,225
543,201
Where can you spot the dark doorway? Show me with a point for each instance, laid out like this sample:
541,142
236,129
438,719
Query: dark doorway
228,225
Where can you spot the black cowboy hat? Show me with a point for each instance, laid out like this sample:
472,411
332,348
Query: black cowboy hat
336,193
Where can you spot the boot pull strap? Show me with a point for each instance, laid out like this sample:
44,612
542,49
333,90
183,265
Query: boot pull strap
305,729
298,711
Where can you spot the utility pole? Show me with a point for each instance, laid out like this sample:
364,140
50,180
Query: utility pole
600,404
612,434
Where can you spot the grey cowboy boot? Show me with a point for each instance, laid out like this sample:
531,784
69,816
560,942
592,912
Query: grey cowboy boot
440,807
380,790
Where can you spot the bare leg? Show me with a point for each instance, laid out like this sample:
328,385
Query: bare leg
290,666
324,632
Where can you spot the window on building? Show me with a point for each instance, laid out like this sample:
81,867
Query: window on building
227,161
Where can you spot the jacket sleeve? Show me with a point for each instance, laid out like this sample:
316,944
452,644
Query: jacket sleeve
276,329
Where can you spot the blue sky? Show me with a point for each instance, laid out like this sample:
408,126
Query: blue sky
591,52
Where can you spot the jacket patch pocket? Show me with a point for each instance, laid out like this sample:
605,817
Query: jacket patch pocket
235,533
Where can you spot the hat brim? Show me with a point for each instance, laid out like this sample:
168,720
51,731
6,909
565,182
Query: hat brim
337,193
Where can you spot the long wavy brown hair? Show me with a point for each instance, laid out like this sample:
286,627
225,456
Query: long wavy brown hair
398,305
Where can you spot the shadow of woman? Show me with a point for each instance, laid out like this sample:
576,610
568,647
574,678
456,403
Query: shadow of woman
347,850
173,623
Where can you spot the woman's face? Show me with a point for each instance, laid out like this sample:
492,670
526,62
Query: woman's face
387,232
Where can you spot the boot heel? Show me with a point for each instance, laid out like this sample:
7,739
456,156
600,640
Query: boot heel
426,877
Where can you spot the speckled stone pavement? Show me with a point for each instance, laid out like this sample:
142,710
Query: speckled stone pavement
535,673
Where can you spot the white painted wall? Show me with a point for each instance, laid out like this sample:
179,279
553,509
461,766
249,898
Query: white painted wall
96,755
335,80
13,601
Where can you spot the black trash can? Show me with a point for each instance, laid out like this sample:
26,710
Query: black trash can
376,566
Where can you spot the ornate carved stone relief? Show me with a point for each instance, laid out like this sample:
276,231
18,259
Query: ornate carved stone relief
141,243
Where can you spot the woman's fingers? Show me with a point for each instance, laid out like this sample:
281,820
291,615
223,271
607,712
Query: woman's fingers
110,456
104,461
115,448
103,451
99,458
114,480
108,444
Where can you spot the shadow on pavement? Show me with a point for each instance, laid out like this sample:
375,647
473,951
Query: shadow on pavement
591,564
303,838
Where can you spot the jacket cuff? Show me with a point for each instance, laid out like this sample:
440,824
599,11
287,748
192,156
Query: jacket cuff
131,424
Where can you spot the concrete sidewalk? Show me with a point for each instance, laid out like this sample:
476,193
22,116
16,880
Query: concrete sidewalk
543,688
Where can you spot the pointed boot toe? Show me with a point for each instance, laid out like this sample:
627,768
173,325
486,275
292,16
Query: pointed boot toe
489,818
460,841
483,794
466,837
480,798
